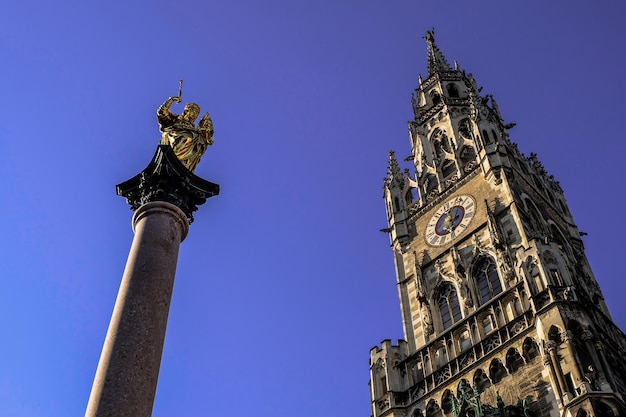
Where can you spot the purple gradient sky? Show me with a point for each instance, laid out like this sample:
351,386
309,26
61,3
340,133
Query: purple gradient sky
285,282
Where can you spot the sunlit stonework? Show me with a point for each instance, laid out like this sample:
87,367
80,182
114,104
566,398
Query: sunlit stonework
502,315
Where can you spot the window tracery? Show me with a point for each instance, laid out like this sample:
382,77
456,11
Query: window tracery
448,168
514,361
446,402
496,371
453,91
481,381
465,129
449,306
433,410
441,143
486,138
530,350
435,97
487,279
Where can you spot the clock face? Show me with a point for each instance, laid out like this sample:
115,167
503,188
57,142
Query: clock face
450,220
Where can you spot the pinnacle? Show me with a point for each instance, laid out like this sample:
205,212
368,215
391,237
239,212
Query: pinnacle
436,61
394,168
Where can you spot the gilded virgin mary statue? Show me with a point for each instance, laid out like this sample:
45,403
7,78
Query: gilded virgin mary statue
188,141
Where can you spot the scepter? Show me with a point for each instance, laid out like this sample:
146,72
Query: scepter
180,90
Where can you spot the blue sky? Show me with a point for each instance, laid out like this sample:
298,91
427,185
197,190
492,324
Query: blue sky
284,282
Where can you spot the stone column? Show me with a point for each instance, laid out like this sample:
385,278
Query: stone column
578,378
607,370
551,347
128,370
163,196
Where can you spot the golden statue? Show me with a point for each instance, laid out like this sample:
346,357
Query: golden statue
188,141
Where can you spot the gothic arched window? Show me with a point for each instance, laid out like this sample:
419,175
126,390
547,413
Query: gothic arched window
554,335
530,350
448,169
435,97
432,409
445,143
487,279
514,361
486,137
446,402
496,371
449,307
465,129
481,381
453,91
440,142
408,197
437,146
430,183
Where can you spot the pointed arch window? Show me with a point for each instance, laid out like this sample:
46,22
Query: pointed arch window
449,306
448,169
467,153
435,97
487,280
431,183
445,143
465,129
446,402
486,137
437,146
453,91
408,197
440,142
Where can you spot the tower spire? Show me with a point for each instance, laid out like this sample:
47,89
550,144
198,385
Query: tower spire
394,175
436,61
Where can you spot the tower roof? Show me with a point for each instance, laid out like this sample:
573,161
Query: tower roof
436,61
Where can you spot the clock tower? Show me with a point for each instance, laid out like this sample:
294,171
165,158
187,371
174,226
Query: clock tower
502,315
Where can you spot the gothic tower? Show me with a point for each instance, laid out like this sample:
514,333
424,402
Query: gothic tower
502,315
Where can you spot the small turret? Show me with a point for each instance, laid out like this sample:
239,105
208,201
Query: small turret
398,197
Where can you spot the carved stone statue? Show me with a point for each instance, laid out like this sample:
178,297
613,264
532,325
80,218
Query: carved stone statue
426,318
188,141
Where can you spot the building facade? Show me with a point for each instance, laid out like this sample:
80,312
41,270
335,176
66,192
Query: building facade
502,315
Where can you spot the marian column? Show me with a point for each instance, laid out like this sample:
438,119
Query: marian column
163,197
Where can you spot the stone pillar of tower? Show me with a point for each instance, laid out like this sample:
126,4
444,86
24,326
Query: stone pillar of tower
163,196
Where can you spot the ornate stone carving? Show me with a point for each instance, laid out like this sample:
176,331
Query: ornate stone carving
427,320
586,335
461,279
420,284
167,179
478,246
551,346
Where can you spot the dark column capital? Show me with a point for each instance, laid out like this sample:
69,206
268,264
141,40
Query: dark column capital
167,179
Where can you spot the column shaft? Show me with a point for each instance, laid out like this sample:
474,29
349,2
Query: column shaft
126,378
